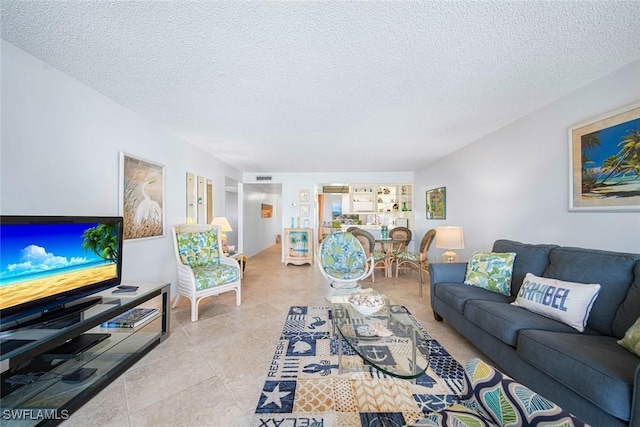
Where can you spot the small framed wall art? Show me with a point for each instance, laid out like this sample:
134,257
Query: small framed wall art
305,210
304,195
266,211
437,203
604,162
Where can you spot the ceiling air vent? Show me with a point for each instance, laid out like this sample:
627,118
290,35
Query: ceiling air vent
264,177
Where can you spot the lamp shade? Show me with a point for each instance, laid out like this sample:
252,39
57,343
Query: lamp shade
449,238
223,222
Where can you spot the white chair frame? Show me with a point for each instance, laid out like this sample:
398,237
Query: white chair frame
187,280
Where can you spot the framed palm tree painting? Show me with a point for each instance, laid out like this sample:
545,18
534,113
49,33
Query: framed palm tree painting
605,162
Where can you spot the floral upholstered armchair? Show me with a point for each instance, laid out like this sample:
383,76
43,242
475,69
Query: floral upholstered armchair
343,262
491,398
203,270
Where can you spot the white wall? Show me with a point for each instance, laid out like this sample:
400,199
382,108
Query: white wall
259,233
60,156
514,183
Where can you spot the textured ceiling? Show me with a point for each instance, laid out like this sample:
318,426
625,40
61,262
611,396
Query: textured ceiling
329,86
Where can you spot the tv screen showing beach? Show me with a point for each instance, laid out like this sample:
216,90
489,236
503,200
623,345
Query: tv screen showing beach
44,260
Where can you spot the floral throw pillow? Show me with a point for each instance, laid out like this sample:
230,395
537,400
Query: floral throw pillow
631,339
491,271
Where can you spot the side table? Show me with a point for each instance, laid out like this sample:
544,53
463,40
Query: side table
239,256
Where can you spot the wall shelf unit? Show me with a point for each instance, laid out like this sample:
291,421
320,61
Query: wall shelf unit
381,199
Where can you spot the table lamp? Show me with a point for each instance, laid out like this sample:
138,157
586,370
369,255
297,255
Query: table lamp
449,238
224,225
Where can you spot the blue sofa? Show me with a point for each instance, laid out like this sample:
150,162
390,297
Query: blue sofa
589,374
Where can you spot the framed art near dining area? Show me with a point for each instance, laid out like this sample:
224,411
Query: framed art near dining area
605,162
437,203
141,197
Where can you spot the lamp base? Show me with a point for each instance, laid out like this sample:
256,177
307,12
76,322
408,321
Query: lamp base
450,256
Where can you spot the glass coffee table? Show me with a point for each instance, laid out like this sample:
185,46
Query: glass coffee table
388,340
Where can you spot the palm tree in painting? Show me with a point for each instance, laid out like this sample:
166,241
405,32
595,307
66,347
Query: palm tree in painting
294,240
630,154
611,165
588,141
102,240
304,238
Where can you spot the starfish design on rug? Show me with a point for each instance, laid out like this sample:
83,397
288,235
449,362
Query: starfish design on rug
275,396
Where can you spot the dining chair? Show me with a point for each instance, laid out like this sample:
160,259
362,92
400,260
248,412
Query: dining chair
368,242
401,237
203,270
416,260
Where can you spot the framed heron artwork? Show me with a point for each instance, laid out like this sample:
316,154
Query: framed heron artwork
141,197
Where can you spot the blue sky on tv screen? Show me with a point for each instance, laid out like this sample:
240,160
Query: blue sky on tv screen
35,250
609,140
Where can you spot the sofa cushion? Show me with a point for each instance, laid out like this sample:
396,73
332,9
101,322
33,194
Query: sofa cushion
595,367
631,339
456,295
612,270
529,259
567,302
491,271
505,321
629,311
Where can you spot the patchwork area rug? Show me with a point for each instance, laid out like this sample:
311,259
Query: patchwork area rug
303,386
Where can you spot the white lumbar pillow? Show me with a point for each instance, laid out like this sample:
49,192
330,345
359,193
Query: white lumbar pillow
567,302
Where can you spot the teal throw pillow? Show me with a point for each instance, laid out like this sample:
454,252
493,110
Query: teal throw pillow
491,271
631,339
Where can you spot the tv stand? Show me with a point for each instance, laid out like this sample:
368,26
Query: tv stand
59,366
64,312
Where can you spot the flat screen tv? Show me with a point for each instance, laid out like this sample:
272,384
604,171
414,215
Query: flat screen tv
48,262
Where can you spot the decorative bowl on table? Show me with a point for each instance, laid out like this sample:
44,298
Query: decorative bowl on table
366,301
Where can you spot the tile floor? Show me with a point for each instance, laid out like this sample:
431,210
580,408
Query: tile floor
210,373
